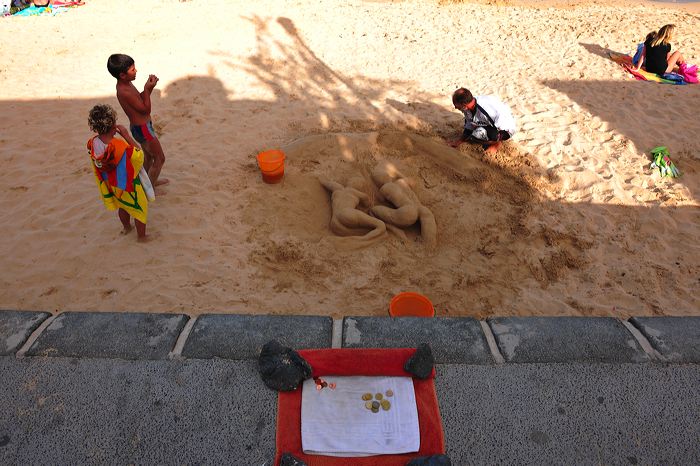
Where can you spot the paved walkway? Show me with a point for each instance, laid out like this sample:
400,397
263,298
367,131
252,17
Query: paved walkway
85,388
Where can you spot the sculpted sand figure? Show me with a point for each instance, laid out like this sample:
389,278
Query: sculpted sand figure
394,187
346,218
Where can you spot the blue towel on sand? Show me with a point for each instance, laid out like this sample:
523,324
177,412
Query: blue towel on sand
39,11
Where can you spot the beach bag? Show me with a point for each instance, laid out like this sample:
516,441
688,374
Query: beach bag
689,72
485,132
662,161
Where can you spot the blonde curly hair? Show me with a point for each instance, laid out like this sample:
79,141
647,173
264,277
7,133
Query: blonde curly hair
102,118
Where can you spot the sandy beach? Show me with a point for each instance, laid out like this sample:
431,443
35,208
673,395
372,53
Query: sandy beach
567,219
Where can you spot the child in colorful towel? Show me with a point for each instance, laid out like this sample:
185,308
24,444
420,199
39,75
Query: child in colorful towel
657,52
118,168
137,106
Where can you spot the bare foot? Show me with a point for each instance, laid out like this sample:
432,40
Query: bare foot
493,148
126,230
161,181
147,238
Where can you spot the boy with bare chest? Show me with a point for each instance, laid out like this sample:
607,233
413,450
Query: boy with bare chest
137,106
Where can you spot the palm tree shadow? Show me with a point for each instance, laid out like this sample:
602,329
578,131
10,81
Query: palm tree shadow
596,49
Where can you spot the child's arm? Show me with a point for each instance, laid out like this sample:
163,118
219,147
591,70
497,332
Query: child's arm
148,89
123,132
131,99
641,59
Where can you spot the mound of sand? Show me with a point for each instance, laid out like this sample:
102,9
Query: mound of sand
499,235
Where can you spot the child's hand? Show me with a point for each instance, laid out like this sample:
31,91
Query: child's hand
151,82
122,130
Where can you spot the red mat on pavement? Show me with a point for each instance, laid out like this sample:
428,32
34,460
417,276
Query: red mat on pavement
365,362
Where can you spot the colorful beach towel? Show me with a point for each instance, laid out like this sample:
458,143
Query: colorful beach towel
39,11
55,8
118,180
642,75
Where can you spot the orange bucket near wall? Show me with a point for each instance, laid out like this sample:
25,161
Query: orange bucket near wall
411,304
271,163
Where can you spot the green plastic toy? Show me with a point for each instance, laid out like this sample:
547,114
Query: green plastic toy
662,160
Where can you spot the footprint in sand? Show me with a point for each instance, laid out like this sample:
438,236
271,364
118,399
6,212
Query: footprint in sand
49,291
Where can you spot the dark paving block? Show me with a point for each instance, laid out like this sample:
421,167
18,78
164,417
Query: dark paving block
565,339
234,336
453,340
676,338
110,335
15,328
570,414
59,411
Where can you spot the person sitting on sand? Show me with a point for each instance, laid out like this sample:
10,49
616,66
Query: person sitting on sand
346,218
657,53
395,188
639,60
118,168
487,120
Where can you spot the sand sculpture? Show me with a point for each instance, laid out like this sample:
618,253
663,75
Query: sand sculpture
346,218
394,187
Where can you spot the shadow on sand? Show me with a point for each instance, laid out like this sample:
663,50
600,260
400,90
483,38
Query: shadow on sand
504,245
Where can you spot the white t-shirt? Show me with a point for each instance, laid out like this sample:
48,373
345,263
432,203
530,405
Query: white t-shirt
497,110
98,149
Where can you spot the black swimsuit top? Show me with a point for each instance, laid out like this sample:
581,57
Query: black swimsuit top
656,57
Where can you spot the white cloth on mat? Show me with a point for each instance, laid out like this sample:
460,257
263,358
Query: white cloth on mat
336,422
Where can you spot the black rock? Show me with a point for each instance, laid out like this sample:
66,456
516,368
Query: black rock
435,460
282,368
421,363
289,460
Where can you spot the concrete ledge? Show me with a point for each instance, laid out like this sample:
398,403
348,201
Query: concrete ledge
565,339
676,338
242,336
109,335
110,411
15,328
453,340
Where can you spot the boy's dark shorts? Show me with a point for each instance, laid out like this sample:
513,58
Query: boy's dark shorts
493,134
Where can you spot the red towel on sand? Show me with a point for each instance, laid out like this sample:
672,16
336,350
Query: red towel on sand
366,362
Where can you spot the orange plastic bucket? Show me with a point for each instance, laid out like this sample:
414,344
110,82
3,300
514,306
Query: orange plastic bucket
409,304
271,163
